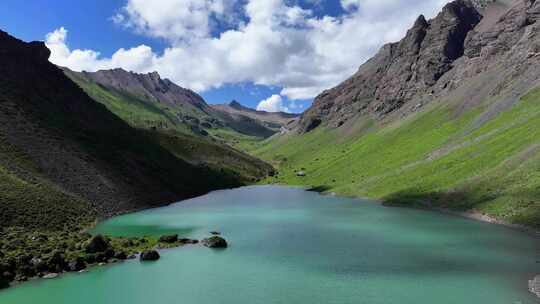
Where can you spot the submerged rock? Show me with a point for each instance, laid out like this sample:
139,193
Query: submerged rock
215,242
50,275
149,255
188,241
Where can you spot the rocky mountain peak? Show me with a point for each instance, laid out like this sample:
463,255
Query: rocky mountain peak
399,71
147,86
235,104
14,48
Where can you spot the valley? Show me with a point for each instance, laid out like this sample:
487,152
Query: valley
445,119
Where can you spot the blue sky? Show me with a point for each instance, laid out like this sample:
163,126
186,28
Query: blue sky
281,51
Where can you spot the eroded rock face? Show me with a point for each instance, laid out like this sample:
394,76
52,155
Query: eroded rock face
435,58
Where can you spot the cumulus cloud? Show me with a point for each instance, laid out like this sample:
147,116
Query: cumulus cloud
273,103
140,58
267,42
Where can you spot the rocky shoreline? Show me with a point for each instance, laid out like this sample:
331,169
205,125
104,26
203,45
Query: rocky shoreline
41,256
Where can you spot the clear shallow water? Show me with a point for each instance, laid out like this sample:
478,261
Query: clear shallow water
292,246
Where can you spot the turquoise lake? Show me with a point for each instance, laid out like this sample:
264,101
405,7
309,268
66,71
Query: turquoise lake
291,246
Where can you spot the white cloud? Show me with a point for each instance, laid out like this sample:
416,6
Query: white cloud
273,103
139,58
173,20
274,43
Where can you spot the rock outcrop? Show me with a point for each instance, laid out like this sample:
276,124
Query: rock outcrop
168,238
485,44
97,244
215,242
149,255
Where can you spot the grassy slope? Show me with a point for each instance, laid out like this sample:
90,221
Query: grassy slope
37,204
131,109
178,137
143,114
434,157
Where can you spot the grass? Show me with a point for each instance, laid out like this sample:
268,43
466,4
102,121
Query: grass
432,158
132,109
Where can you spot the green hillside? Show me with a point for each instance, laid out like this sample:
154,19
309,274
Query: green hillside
161,123
435,157
134,109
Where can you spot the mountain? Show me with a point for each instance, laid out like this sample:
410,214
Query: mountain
464,50
272,120
149,102
447,117
65,159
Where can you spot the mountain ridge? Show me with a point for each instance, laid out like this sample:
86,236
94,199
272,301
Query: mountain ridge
147,101
435,58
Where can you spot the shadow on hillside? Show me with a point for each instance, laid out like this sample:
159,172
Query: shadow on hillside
460,200
319,189
519,207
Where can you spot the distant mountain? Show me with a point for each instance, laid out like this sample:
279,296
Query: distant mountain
147,101
447,117
66,160
272,120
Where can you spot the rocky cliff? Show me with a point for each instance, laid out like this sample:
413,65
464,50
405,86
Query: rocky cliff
470,53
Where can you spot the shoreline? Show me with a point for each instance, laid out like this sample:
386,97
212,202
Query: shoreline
471,214
482,217
533,284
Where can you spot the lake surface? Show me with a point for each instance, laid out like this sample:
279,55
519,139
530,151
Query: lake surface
291,246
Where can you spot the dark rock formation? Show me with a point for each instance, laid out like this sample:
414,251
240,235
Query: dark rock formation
97,244
57,262
77,265
149,255
121,255
169,238
188,241
215,242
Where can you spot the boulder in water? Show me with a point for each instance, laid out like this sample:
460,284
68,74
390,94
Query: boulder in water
149,255
215,242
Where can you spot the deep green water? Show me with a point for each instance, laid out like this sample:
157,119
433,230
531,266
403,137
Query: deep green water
291,246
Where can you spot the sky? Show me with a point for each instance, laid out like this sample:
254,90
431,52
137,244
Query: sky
274,55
